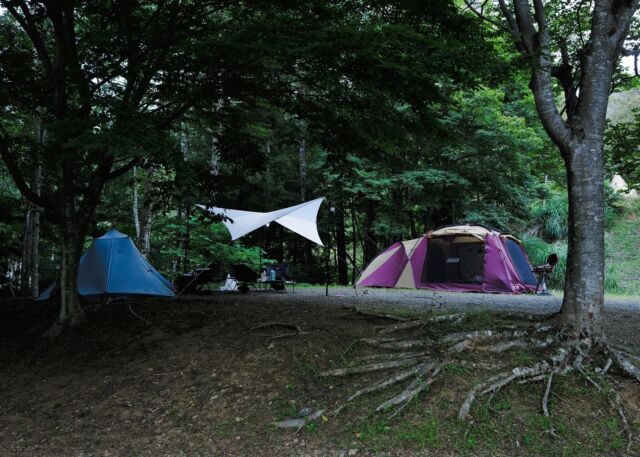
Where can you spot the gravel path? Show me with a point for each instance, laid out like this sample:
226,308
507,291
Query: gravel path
416,299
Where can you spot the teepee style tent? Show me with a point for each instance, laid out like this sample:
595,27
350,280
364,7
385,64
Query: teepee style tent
113,266
461,258
300,219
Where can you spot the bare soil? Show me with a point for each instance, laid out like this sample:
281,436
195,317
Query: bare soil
198,380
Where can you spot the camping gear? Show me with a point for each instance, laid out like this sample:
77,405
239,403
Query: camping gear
458,258
300,219
113,266
542,271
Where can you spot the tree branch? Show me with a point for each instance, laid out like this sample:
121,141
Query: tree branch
536,44
484,17
18,177
28,24
123,169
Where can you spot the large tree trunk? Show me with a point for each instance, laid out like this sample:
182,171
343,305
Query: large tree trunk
583,301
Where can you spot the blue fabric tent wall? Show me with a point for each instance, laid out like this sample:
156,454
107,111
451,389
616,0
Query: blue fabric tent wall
114,266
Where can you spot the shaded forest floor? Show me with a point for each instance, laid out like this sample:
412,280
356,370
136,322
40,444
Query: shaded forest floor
198,380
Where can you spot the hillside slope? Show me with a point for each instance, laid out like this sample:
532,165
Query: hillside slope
622,248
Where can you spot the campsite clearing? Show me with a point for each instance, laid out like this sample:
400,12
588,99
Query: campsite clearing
203,379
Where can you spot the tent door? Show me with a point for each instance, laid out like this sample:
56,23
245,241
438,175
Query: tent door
454,259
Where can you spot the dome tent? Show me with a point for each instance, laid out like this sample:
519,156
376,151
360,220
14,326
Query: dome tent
459,258
113,266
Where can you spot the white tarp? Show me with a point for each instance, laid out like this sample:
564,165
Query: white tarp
300,219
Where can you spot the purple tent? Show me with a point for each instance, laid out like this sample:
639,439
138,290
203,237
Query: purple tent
461,258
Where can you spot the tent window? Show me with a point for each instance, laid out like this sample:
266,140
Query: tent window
521,262
454,259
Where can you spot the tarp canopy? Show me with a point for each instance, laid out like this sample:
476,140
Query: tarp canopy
300,219
113,266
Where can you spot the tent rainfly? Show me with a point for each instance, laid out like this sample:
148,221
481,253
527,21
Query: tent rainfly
300,219
113,266
461,258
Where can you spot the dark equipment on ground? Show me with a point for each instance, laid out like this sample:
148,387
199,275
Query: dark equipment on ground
542,271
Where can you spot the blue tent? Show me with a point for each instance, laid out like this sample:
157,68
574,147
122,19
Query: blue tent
114,266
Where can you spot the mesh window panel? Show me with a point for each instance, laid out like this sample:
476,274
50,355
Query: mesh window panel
521,262
454,259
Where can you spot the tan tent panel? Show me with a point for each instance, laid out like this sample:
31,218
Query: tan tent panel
473,230
410,245
406,278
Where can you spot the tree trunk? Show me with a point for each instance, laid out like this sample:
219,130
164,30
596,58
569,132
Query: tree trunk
27,244
354,247
370,245
70,313
136,215
35,235
341,248
583,301
146,216
187,239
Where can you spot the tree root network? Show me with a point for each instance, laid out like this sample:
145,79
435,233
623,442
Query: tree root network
418,360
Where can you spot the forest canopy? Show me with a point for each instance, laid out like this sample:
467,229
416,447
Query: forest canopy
405,115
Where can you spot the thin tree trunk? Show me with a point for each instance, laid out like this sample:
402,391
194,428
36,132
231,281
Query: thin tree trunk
187,239
370,245
354,247
144,235
302,154
27,256
341,247
35,234
136,216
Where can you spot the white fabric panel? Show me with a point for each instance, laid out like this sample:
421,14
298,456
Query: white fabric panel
299,218
303,220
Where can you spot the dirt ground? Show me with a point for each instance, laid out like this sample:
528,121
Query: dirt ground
196,380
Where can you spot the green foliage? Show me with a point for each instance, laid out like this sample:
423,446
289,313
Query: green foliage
538,251
208,243
550,215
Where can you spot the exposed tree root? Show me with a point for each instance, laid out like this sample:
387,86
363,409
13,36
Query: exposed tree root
420,368
140,318
421,323
373,315
380,366
616,403
296,329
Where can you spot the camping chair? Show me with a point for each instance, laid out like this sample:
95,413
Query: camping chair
245,276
